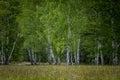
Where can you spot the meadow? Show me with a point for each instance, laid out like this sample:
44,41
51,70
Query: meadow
55,72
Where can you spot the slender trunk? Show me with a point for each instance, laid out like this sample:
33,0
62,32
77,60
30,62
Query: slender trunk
3,58
58,61
68,37
75,58
52,57
68,49
116,53
71,59
98,52
39,60
6,57
97,40
115,50
99,47
102,59
115,60
30,56
13,48
97,59
78,54
113,53
33,57
3,54
6,50
68,56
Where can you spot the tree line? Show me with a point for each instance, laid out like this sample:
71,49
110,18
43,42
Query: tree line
55,31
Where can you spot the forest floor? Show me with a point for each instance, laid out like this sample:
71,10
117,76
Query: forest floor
56,72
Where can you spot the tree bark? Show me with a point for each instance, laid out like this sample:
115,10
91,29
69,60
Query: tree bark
32,56
68,56
0,57
71,59
97,59
75,56
78,52
14,44
102,59
58,62
3,54
51,57
97,55
114,54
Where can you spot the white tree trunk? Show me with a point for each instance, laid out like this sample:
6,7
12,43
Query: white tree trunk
30,57
14,44
68,56
58,59
33,57
75,55
52,57
75,58
78,52
68,48
97,59
98,52
68,37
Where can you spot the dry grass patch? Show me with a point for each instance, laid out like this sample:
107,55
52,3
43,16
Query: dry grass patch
51,72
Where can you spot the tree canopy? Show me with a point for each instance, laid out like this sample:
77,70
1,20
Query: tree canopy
55,31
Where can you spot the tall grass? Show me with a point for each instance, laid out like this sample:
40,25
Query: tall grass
51,72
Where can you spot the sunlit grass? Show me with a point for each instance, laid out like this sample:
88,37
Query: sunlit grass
51,72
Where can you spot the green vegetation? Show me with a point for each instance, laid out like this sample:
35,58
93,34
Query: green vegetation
55,31
69,32
48,72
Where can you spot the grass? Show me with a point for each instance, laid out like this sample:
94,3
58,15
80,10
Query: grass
52,72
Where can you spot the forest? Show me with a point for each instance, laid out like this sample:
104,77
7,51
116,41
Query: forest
60,31
59,39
